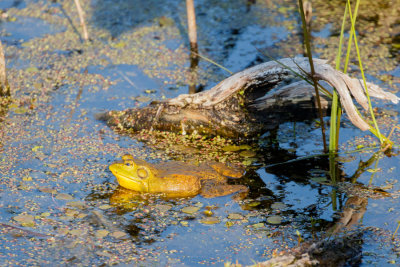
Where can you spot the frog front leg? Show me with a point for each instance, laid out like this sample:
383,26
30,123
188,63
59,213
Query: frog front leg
225,170
210,190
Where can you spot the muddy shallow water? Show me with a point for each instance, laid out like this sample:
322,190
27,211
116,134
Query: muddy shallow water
59,203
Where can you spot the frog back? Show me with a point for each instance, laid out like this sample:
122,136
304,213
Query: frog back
176,185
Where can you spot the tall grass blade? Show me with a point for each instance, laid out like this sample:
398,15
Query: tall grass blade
213,62
336,110
353,33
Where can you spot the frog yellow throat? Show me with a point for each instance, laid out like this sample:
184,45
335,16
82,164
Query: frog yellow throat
123,171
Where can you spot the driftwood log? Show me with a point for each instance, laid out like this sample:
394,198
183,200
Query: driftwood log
250,102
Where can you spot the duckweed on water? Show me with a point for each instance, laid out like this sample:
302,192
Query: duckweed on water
210,220
190,210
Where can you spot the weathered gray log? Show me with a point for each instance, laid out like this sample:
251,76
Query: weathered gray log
249,102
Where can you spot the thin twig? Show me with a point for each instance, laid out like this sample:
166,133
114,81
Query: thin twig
307,41
22,230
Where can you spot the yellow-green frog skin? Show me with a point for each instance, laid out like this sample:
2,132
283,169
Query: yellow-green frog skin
177,179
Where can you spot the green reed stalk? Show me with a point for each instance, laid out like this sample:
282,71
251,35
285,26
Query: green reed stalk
398,225
346,64
336,110
353,32
308,47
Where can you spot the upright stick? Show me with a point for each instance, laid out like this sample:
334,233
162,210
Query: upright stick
192,32
4,87
82,19
309,53
191,24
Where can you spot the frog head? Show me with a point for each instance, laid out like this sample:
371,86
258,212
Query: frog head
132,175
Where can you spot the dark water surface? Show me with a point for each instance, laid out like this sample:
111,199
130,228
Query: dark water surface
59,203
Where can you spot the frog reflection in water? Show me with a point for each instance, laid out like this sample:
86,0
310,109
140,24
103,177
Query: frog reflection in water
178,179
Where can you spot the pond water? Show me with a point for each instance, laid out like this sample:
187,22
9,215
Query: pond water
60,204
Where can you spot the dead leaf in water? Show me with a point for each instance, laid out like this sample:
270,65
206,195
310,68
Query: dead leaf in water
104,253
142,98
276,219
77,204
258,225
278,206
248,154
105,207
231,148
210,220
190,209
101,233
76,232
32,69
26,220
118,234
235,216
64,196
47,190
163,208
20,110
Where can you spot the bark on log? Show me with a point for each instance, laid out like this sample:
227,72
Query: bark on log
249,102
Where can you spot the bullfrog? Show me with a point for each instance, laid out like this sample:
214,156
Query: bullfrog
178,179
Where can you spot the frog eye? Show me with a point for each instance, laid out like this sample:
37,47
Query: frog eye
129,163
142,173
